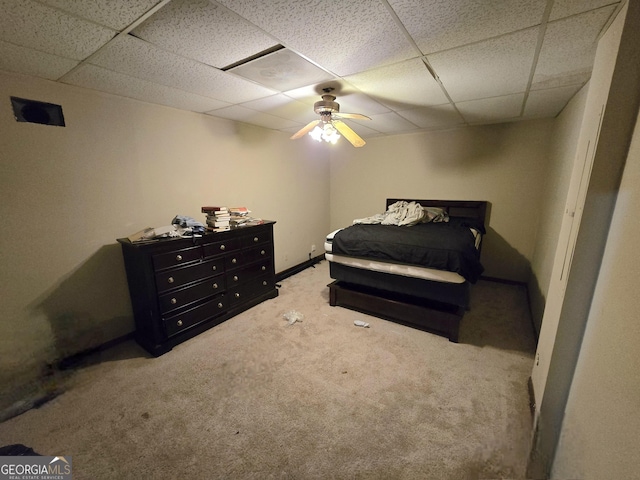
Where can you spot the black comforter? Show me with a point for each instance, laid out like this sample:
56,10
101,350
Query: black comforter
443,246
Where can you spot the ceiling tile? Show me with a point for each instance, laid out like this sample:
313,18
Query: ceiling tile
30,24
386,123
489,110
283,107
204,31
487,69
439,116
97,78
550,102
439,25
137,58
246,115
31,62
282,70
565,8
344,37
569,48
401,86
116,14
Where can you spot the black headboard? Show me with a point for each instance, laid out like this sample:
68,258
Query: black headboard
455,208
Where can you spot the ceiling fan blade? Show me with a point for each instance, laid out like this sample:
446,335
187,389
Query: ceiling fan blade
358,116
307,128
349,134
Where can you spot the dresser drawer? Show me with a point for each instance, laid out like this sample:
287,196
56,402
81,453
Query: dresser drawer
177,323
257,253
261,236
176,258
241,259
180,298
252,288
221,247
175,278
238,277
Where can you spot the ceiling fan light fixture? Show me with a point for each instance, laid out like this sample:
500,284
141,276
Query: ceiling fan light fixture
330,134
326,132
316,133
330,125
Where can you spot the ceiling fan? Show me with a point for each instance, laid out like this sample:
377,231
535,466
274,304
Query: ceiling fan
330,122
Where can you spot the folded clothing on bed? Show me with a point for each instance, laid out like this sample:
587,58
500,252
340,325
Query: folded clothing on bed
443,246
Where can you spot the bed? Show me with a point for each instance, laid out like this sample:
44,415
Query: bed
417,275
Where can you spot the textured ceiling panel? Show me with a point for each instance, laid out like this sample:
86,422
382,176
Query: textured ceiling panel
216,36
439,25
439,116
487,69
97,78
242,114
561,61
137,58
401,86
283,107
116,14
45,29
343,36
386,123
564,8
480,52
549,103
489,110
31,62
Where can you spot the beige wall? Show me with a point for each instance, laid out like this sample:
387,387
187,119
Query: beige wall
120,165
504,164
599,435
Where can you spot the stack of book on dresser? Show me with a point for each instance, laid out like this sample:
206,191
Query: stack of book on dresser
239,216
220,219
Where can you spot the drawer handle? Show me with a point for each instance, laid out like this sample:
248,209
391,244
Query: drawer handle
262,252
222,247
178,257
179,323
214,268
255,239
215,285
173,301
264,268
170,279
234,261
220,305
264,282
235,278
237,295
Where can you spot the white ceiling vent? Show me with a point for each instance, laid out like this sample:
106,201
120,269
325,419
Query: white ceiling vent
281,70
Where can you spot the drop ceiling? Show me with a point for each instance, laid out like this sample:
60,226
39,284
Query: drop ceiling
410,65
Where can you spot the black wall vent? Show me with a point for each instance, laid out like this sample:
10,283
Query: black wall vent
33,111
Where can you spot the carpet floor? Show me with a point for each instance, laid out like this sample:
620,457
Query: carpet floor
259,398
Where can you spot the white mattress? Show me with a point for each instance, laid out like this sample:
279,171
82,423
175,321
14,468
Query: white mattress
394,268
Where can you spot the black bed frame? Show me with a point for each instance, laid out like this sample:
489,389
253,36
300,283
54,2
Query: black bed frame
431,306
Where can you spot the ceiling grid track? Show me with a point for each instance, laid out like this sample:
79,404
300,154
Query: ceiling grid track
541,33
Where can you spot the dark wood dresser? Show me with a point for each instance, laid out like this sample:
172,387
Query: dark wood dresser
182,287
